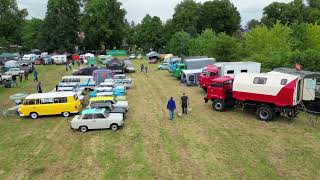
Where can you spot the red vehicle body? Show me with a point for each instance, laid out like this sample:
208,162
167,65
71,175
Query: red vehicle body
210,73
267,99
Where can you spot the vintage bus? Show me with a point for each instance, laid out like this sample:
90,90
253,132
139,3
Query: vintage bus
52,103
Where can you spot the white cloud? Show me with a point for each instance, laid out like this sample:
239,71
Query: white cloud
137,9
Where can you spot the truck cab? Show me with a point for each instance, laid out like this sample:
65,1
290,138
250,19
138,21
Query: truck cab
179,69
208,75
172,65
220,92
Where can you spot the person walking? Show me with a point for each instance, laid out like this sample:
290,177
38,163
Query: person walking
142,68
26,75
39,89
14,81
20,77
35,75
184,103
146,69
171,106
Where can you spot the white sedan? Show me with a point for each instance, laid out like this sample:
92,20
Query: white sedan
97,119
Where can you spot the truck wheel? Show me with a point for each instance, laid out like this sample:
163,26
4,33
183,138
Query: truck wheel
264,114
114,127
218,105
83,129
34,115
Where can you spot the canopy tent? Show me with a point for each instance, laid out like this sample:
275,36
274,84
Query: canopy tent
153,54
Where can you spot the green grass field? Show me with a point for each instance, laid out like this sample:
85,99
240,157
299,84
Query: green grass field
203,145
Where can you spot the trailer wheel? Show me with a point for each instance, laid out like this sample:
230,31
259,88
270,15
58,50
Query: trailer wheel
218,105
264,114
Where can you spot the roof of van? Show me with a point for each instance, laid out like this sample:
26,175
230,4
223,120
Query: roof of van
236,63
50,95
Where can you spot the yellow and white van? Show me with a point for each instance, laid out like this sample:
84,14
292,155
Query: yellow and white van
52,103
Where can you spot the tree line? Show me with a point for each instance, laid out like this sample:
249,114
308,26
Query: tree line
288,33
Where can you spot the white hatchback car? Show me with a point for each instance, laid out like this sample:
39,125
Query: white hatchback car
97,119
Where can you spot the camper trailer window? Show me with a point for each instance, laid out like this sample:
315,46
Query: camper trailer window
244,71
230,72
284,82
260,80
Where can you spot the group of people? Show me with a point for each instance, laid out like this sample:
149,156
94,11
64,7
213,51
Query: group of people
35,75
171,105
144,69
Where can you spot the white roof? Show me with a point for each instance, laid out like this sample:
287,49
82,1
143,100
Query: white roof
193,71
68,84
50,95
104,89
235,63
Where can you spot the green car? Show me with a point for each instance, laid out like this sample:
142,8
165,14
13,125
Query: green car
179,69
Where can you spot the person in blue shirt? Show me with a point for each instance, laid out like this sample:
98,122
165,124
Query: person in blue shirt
171,106
35,75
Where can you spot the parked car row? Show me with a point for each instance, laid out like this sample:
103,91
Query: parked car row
107,106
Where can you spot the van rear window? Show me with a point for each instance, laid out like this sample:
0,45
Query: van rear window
260,80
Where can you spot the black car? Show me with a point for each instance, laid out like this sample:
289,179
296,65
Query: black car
109,107
86,71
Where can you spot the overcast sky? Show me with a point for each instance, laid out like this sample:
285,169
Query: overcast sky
137,9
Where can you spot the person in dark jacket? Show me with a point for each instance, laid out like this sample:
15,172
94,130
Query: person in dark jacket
39,89
184,103
171,106
14,81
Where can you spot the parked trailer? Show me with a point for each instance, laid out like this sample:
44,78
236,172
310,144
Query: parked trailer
222,69
191,77
269,95
192,64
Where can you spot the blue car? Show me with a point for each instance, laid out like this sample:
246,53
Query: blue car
108,91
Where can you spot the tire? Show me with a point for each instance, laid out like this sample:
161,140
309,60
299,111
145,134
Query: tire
218,105
65,114
34,115
264,114
83,129
114,127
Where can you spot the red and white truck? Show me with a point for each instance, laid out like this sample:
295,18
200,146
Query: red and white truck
269,95
222,69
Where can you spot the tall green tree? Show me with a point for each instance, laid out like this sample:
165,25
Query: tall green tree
149,33
272,47
220,16
186,17
11,21
203,44
179,43
103,23
227,48
30,34
61,26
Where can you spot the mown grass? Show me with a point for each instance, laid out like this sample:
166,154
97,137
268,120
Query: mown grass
202,145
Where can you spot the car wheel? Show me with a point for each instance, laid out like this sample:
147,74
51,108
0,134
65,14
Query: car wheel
34,115
218,105
65,114
83,129
114,127
264,114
